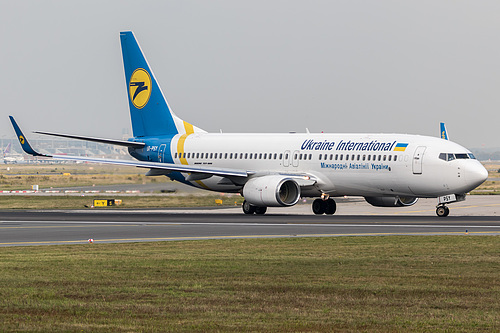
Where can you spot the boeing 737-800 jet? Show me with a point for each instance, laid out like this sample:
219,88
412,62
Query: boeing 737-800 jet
269,170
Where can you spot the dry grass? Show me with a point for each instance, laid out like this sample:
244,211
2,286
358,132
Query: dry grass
375,284
24,176
144,201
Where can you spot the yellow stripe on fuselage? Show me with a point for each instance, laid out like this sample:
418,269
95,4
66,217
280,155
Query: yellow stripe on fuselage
180,149
180,144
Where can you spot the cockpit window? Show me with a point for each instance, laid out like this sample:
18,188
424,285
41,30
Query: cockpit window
451,157
447,157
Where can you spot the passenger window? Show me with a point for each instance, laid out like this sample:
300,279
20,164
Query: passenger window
286,156
369,157
347,157
300,156
379,157
225,156
395,158
310,156
341,157
197,155
390,158
281,156
320,157
384,157
359,157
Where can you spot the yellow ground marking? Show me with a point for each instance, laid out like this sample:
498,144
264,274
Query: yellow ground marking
90,225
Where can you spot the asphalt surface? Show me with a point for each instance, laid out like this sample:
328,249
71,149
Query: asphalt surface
477,216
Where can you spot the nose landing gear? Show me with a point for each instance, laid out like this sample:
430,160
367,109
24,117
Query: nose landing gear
442,210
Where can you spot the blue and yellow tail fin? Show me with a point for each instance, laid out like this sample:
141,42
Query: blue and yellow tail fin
23,140
444,132
149,110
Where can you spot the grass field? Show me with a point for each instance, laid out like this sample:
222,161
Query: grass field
372,284
22,177
147,201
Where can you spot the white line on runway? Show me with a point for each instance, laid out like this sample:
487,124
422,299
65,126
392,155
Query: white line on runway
251,224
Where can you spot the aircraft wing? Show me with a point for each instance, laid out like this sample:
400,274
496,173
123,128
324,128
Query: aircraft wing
100,140
302,179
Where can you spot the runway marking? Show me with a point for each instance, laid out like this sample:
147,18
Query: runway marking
66,226
252,236
149,224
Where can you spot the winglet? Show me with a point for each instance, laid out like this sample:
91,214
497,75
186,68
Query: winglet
444,132
23,140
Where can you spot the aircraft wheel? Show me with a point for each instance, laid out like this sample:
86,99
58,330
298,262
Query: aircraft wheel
248,208
318,207
330,207
442,211
260,210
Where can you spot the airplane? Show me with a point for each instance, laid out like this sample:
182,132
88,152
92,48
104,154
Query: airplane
276,170
9,157
444,132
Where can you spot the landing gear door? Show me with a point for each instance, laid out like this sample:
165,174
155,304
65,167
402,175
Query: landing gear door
418,158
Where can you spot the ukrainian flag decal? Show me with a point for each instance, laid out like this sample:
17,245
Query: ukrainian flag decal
401,147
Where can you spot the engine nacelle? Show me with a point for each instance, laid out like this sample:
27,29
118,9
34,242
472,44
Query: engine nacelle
391,201
271,191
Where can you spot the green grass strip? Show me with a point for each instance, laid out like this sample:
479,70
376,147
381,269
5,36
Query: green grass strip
371,284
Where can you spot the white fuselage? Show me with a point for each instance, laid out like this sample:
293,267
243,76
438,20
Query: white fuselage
342,164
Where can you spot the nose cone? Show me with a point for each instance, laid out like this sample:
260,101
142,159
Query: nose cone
475,175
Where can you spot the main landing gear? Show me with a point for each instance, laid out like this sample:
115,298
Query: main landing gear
251,209
320,206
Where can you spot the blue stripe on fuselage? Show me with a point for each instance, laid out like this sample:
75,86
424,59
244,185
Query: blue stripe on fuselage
158,149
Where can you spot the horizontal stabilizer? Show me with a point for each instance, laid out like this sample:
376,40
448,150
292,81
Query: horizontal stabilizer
100,140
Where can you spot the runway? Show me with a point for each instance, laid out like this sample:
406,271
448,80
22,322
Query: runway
21,228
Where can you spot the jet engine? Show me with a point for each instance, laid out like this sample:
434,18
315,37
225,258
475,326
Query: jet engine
271,191
391,201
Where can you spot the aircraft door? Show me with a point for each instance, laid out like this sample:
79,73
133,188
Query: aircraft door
295,158
418,158
286,158
161,153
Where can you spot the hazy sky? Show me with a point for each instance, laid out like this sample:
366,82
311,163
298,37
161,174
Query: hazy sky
258,66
